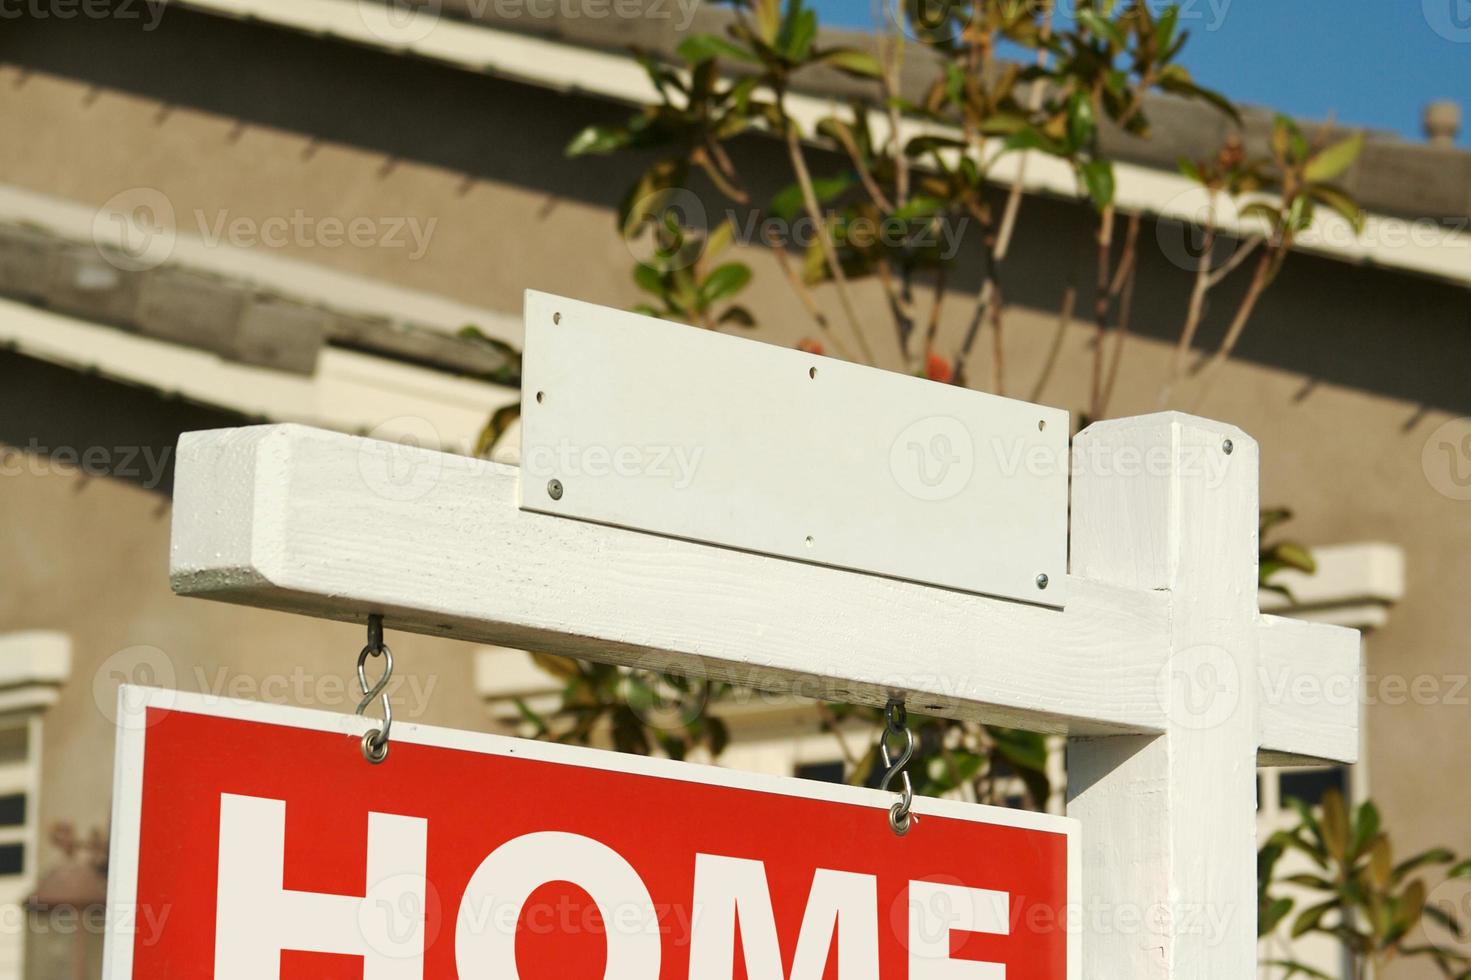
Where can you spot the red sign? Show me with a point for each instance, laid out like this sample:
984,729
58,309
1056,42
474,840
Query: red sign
253,842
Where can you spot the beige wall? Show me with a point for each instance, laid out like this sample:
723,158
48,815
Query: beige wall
90,557
1350,371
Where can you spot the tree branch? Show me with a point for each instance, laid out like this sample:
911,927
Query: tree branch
824,236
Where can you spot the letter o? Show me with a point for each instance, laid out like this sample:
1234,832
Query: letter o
509,875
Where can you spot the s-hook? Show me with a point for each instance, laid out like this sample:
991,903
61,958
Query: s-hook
896,724
375,741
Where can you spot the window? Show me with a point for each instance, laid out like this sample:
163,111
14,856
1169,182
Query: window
16,776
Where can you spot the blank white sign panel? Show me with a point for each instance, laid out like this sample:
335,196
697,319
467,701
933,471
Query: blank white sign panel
661,427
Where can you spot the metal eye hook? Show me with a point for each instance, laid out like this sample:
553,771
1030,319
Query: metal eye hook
375,741
896,719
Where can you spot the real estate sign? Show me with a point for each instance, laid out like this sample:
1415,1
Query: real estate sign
253,841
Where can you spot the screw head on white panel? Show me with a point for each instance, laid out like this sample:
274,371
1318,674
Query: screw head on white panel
554,489
1042,581
1228,447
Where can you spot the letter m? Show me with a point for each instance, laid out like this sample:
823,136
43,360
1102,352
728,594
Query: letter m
728,890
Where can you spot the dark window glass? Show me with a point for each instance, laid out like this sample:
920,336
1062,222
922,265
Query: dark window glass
1309,785
13,810
12,859
826,772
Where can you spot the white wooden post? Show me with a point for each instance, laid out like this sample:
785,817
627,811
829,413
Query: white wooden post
1168,681
1168,503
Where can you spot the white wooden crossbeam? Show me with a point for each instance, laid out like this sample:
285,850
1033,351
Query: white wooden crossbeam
336,526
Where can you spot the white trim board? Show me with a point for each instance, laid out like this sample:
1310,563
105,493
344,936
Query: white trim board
277,516
340,291
350,391
1385,241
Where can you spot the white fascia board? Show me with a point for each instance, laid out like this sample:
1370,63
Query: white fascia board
350,391
34,659
1388,242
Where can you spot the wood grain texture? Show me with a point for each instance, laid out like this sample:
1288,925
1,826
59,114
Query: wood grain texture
335,526
1170,820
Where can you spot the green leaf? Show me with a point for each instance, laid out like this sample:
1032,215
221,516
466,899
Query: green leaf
1031,139
852,62
649,279
1272,916
921,145
724,282
1436,855
788,201
598,140
1097,176
797,35
1266,212
496,428
719,239
1335,823
1189,169
702,47
1311,918
1462,870
1164,32
1081,124
1177,79
1331,162
1293,555
1366,820
1096,25
919,207
1341,202
738,315
768,18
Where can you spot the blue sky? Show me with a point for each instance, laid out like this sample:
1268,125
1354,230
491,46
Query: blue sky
1371,63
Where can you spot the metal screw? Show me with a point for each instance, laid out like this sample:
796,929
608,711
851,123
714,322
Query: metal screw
554,489
1227,446
556,318
1042,581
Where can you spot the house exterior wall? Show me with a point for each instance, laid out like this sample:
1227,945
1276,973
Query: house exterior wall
1344,377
